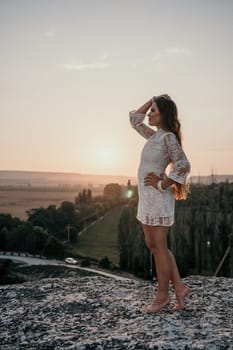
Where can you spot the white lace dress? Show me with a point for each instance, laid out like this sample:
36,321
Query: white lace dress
156,208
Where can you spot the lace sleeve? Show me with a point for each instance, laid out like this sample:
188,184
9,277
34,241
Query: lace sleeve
180,164
136,120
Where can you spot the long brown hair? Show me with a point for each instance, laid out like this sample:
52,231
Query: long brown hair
170,122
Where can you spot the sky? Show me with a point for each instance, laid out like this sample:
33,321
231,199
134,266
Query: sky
71,70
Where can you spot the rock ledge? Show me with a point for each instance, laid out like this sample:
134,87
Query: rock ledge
98,313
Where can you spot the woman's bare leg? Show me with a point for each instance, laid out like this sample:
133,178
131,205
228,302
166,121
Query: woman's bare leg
156,239
181,289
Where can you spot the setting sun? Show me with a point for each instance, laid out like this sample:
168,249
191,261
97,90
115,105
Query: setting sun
104,159
106,155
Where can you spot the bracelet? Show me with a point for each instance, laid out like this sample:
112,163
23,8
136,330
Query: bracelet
159,186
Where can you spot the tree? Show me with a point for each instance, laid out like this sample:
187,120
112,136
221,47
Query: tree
113,192
231,255
3,237
17,237
199,238
104,263
6,220
67,209
89,196
54,248
84,196
53,220
43,217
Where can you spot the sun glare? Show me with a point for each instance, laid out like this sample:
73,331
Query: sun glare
105,159
106,155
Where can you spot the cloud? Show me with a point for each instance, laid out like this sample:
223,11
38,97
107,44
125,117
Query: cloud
134,65
50,33
99,63
172,51
105,56
87,66
157,56
182,51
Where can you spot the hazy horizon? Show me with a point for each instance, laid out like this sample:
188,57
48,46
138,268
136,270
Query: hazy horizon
99,175
72,70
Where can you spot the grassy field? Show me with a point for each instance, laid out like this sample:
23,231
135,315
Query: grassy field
101,239
97,242
17,202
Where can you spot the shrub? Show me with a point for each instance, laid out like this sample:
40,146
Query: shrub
104,263
85,263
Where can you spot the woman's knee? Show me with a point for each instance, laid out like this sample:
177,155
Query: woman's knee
153,245
157,247
155,238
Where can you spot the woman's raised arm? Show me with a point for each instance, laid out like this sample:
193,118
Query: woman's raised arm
136,120
144,108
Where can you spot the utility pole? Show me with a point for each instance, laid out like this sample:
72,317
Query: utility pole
68,232
222,261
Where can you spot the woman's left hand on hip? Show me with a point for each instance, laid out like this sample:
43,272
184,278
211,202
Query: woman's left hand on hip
151,179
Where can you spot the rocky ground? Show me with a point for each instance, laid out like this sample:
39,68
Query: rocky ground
94,312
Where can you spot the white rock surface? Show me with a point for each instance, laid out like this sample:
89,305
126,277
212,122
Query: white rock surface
86,313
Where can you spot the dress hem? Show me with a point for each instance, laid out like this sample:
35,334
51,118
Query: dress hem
156,222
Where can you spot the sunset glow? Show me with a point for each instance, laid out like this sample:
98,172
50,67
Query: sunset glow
106,155
72,70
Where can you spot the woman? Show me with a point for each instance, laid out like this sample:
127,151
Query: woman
157,192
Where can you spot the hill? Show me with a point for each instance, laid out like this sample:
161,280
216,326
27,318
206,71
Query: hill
45,179
65,180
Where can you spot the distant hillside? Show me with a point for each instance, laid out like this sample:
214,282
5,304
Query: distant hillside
43,179
53,179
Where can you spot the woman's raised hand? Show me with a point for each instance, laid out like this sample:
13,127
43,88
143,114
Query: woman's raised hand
167,97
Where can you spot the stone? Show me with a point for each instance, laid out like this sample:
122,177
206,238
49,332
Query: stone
85,313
